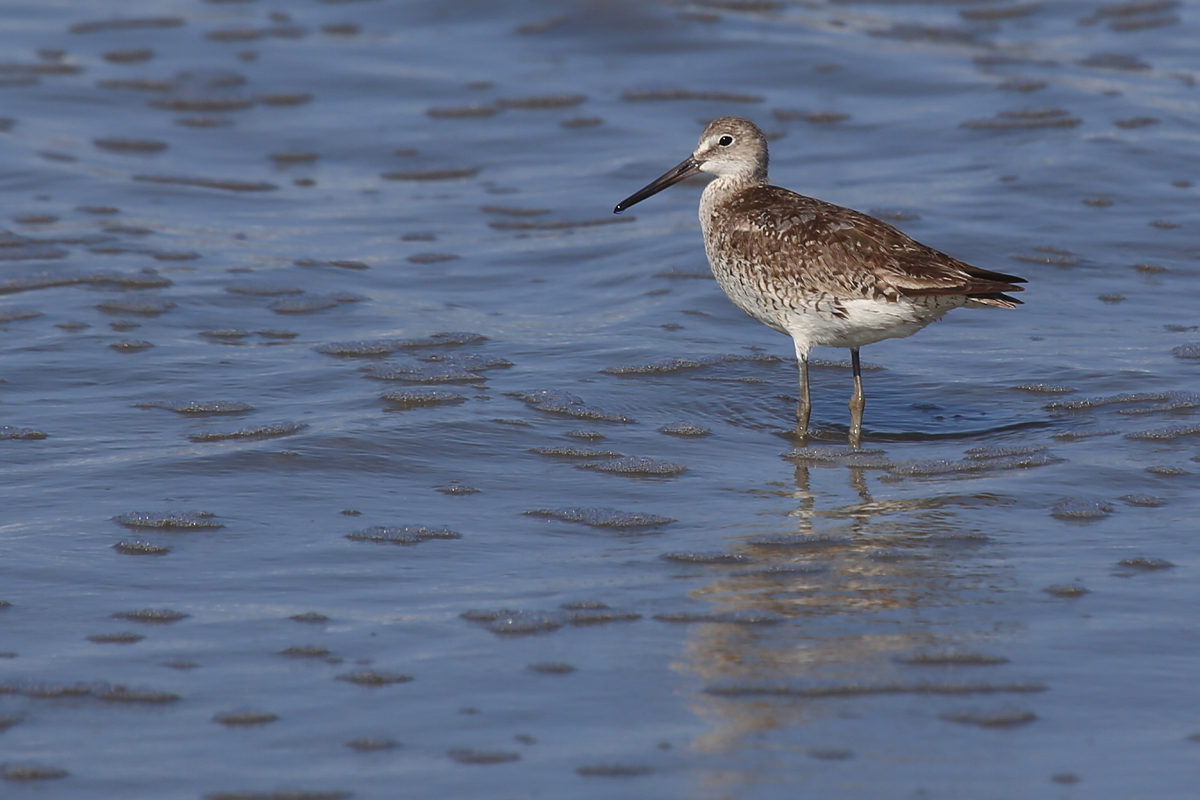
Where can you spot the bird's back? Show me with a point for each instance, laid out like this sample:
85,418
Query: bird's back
795,246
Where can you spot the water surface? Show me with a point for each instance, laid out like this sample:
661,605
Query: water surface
304,309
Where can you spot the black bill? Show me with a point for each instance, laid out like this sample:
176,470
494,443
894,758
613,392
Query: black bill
682,172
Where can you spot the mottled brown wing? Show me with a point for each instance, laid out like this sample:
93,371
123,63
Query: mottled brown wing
841,251
904,266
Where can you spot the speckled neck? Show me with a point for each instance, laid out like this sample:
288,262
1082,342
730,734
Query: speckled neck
722,190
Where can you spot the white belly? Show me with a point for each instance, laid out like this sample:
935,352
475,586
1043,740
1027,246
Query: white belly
866,321
821,319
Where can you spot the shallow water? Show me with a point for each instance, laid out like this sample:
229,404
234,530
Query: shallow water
235,228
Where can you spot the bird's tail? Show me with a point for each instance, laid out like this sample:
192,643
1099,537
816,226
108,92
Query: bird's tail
997,299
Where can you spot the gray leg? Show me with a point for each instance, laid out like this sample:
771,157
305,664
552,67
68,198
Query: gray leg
857,401
804,404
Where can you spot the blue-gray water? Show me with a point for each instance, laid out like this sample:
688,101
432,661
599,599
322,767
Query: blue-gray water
999,600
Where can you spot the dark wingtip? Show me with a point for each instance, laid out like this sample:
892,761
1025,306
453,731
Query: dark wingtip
997,277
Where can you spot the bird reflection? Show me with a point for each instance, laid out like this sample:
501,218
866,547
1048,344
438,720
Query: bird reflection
850,583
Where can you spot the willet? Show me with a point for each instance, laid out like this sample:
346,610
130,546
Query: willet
822,274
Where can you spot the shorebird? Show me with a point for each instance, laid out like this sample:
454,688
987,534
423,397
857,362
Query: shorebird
822,274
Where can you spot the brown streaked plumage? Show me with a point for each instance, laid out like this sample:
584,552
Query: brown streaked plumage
823,274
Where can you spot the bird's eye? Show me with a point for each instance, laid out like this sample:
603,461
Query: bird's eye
725,140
